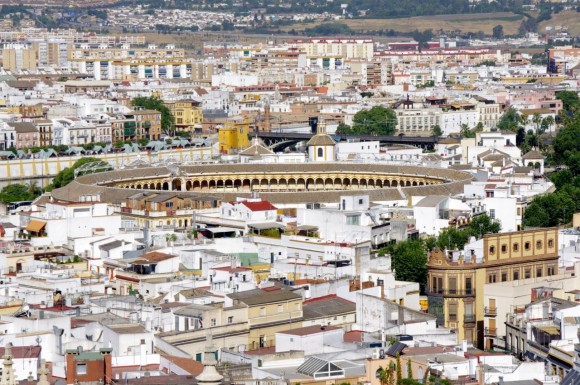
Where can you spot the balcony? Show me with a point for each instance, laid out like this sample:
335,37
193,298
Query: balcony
451,293
491,332
469,318
490,311
129,131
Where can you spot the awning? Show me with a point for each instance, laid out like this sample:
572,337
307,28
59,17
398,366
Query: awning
266,225
307,227
35,226
549,329
217,230
559,362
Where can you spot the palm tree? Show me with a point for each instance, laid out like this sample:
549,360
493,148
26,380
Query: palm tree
549,122
382,375
436,131
32,188
386,376
537,120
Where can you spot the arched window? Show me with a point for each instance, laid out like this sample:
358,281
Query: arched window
320,152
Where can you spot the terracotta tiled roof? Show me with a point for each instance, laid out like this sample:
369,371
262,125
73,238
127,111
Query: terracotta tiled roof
259,206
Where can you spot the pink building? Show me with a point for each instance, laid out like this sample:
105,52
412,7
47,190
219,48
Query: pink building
27,135
540,99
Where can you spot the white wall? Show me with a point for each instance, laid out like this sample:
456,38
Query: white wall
314,343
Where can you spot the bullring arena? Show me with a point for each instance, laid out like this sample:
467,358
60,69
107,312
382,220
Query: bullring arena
279,183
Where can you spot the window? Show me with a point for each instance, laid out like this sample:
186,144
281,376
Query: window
320,153
492,213
538,272
213,322
491,278
550,243
82,368
539,245
527,246
453,312
452,285
550,270
230,320
503,277
360,201
280,308
492,250
168,204
516,246
468,286
468,309
353,220
527,273
504,248
516,275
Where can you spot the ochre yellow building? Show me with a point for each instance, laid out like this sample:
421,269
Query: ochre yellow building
269,312
233,136
188,115
455,285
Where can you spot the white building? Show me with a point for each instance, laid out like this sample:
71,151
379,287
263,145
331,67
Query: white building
435,213
354,150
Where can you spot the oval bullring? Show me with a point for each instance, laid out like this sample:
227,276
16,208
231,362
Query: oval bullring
278,183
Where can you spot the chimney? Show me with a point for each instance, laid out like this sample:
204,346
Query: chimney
108,362
70,367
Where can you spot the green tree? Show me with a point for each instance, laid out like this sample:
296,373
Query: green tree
552,209
510,120
411,381
399,369
16,193
33,188
153,103
343,129
537,120
452,238
558,207
570,100
385,375
483,224
436,131
409,369
378,120
497,31
567,141
68,174
409,261
466,132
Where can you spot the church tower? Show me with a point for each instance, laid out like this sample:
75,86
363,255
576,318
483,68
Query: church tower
8,376
321,147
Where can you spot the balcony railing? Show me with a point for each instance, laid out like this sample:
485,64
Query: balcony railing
490,332
452,292
490,311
